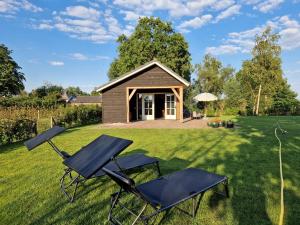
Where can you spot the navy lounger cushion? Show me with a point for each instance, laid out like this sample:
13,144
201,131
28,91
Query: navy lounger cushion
97,154
43,137
179,186
128,162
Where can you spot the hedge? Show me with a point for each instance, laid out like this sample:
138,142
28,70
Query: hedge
16,130
79,115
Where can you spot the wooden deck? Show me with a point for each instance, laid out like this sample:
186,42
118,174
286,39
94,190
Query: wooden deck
160,124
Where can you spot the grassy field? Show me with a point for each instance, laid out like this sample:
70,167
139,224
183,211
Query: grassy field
248,155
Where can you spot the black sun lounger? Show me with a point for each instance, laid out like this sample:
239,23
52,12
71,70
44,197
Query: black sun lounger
165,192
89,161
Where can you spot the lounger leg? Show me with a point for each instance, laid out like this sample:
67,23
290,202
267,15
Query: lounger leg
226,188
64,187
114,200
140,214
196,204
158,169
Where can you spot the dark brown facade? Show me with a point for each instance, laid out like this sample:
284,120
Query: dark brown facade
119,101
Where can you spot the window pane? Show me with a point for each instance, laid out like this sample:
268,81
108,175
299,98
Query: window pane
150,112
172,111
150,104
172,97
146,111
172,104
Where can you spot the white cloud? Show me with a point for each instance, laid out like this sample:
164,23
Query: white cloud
43,26
264,6
82,57
131,15
175,8
232,10
81,12
13,6
223,49
85,23
56,63
268,5
197,22
220,5
243,42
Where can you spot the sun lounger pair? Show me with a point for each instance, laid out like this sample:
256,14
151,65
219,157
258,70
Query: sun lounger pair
162,194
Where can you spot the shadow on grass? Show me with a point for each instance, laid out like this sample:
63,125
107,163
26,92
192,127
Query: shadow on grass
252,170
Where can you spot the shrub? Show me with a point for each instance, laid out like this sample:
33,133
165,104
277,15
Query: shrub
79,115
16,130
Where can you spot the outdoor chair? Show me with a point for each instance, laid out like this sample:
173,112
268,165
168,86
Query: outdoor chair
89,161
164,193
196,115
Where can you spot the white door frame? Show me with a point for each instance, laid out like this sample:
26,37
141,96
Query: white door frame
168,106
151,107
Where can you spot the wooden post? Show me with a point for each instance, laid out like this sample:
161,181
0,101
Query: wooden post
181,103
258,99
51,122
127,105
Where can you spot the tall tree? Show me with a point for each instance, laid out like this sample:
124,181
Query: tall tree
11,79
152,38
262,75
285,100
212,75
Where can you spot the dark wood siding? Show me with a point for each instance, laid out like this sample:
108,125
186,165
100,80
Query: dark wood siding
114,98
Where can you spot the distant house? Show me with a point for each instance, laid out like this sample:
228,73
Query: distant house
86,100
151,91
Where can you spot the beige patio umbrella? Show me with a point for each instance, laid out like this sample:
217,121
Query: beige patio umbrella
205,97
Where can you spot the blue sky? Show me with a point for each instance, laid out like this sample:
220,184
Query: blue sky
72,43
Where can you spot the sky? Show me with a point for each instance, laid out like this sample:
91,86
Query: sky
73,42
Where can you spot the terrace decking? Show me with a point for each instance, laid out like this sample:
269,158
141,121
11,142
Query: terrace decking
161,124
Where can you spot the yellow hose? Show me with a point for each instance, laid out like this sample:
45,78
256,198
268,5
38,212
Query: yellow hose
282,182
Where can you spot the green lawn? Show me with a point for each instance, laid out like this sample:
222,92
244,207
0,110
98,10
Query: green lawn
248,155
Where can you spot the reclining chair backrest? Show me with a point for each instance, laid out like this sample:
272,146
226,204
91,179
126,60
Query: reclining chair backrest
128,185
122,180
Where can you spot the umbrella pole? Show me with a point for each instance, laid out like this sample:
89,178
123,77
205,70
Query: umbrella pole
205,110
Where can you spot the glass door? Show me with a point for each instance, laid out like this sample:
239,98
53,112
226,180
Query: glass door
148,107
170,107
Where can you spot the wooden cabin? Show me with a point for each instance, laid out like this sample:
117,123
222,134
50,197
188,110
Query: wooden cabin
150,92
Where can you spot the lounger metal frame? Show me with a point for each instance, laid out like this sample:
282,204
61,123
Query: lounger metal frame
139,216
75,179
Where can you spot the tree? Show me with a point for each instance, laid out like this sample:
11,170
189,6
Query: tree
48,89
211,75
75,91
262,75
233,95
152,39
284,100
94,93
11,79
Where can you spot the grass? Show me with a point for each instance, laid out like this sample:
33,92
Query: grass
248,155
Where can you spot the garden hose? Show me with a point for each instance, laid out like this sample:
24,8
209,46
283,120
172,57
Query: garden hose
281,175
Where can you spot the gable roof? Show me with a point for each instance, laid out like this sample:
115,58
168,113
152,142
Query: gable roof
141,68
86,99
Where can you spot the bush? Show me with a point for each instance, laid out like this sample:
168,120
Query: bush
79,115
16,130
